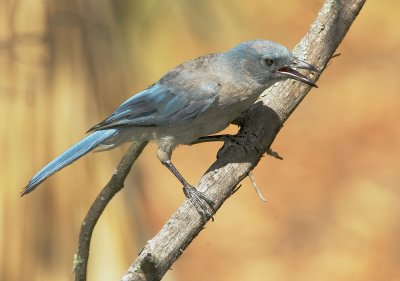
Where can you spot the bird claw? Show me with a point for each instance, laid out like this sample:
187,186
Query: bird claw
242,140
274,154
203,205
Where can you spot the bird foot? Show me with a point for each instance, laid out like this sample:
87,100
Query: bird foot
242,140
203,205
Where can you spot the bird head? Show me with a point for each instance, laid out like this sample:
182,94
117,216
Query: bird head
268,62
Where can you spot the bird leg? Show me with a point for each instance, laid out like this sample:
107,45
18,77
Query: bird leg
203,205
238,140
223,138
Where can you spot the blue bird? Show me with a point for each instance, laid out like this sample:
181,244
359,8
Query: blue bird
197,98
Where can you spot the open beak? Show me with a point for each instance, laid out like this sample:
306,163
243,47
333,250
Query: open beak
289,71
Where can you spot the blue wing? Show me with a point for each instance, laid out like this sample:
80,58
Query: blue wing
177,98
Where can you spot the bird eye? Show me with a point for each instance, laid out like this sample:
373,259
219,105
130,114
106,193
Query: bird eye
268,62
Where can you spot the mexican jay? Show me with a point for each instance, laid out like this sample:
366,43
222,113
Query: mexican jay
197,98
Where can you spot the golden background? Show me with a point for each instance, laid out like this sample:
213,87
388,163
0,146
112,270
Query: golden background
333,209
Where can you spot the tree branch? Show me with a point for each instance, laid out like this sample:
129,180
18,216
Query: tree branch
260,125
115,184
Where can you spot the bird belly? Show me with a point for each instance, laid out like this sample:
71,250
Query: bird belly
211,122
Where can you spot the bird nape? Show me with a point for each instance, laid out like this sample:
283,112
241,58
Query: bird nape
195,99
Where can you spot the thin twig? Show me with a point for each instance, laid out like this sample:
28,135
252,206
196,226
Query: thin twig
115,184
255,186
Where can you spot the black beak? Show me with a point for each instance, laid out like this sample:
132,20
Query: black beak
289,71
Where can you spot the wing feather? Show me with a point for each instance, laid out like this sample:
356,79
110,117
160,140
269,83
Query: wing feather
168,102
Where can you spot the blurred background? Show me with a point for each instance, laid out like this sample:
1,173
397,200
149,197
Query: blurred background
332,210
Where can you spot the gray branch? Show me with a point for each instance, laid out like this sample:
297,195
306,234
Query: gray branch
115,184
260,126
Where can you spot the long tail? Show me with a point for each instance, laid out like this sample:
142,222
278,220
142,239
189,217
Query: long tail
75,152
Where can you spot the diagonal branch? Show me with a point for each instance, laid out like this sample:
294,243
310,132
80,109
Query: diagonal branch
260,126
115,184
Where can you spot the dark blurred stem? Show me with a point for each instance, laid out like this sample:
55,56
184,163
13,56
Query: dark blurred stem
115,184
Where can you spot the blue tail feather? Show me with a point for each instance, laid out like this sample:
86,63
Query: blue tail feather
75,152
